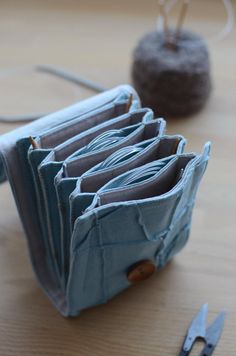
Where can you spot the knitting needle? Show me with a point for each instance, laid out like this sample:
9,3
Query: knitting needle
33,143
164,17
168,38
181,19
129,102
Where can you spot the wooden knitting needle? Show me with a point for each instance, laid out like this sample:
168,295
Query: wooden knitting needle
129,102
164,17
168,38
181,19
33,143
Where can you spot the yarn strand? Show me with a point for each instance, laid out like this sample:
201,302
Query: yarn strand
55,71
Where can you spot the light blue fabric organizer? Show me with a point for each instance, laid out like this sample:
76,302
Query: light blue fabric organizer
102,189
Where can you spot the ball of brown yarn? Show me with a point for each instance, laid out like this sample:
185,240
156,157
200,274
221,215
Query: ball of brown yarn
172,80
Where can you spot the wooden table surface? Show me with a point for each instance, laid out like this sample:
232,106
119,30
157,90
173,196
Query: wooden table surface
95,39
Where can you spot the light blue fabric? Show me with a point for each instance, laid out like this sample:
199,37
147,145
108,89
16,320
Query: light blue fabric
50,166
104,189
75,202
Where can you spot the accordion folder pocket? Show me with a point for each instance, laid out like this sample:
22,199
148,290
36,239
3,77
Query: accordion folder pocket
100,188
74,177
46,171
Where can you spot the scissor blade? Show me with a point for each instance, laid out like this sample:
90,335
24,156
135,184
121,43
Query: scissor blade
196,329
214,331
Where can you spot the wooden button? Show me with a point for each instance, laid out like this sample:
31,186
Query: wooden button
141,271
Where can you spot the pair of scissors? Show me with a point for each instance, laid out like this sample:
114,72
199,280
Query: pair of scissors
198,330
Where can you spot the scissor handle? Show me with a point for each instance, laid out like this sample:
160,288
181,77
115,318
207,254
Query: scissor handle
183,353
208,350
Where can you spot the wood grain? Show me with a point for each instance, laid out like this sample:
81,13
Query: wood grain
96,40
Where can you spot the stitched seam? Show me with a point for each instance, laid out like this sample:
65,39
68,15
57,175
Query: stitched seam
102,250
165,253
